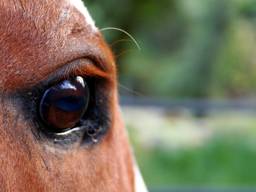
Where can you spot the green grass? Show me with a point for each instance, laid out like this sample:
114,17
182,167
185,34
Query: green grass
225,160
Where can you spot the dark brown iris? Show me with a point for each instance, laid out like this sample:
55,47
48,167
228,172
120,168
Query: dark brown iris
63,105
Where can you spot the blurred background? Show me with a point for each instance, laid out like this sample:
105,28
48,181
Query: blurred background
188,96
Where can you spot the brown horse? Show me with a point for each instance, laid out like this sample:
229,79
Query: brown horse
61,128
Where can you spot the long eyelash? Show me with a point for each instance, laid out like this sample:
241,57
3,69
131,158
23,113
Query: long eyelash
80,67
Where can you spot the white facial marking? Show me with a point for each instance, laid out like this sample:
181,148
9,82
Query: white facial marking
79,5
139,183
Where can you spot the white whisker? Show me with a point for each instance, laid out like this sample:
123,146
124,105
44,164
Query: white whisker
125,32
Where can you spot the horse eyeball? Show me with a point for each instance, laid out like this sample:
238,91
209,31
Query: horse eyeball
64,104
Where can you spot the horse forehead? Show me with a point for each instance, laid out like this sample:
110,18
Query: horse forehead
49,7
79,5
49,28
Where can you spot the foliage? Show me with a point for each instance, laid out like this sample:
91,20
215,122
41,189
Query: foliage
192,48
224,161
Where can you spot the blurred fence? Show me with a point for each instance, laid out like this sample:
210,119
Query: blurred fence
197,106
190,104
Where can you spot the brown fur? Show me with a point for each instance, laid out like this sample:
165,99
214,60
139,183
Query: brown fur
36,39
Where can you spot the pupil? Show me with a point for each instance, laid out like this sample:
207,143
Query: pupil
70,104
63,105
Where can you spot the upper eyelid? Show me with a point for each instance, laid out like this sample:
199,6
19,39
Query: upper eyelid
79,67
83,66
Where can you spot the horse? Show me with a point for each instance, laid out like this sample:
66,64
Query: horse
61,127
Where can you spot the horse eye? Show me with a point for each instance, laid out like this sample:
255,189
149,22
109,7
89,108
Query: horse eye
64,104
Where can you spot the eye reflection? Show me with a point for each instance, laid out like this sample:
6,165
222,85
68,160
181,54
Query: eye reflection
63,105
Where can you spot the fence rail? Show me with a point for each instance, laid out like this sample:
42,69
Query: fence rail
190,104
